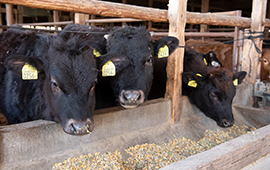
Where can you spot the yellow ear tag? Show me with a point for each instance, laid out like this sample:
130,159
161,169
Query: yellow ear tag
235,82
163,52
29,72
108,69
205,62
96,53
198,75
192,83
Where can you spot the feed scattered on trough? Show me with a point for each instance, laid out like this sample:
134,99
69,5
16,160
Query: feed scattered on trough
152,156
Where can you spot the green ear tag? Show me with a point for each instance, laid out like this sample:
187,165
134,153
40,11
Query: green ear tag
163,52
96,53
198,75
108,69
29,72
235,82
192,83
205,62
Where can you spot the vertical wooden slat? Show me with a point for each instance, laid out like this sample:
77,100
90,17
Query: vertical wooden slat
124,2
150,4
9,14
20,14
177,19
204,9
235,45
251,59
79,18
1,22
55,18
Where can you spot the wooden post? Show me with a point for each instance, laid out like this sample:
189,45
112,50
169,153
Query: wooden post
204,9
79,18
251,60
55,18
177,19
9,14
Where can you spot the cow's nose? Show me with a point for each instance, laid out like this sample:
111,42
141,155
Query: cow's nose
131,98
74,127
227,123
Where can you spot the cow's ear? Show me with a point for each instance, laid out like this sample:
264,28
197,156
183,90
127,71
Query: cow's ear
191,79
165,46
110,66
16,63
238,77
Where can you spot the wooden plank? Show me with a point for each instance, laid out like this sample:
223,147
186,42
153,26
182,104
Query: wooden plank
251,60
177,18
1,22
130,11
9,14
234,154
20,14
150,4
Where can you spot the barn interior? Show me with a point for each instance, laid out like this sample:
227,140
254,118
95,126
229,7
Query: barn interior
117,128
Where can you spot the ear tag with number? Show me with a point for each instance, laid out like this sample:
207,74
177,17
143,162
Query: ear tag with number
29,72
235,82
108,69
205,62
163,52
96,53
192,83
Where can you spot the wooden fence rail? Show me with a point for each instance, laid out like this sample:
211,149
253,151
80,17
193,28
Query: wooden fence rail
131,11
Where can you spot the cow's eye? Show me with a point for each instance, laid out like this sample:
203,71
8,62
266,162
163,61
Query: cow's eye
55,85
149,60
265,61
214,97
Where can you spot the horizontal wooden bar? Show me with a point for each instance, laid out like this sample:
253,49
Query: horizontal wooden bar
200,34
109,20
47,23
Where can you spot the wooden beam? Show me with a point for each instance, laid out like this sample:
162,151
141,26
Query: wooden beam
124,2
129,11
20,14
150,4
1,22
251,59
47,23
177,18
9,14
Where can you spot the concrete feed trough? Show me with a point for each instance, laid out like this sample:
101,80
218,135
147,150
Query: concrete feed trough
40,144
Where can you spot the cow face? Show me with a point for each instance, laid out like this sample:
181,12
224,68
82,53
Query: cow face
130,53
211,59
214,92
67,80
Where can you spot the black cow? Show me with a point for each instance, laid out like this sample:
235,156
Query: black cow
210,89
59,79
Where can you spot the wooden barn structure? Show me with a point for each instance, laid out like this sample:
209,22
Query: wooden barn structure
177,17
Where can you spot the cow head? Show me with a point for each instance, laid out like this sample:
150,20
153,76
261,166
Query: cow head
211,59
128,63
213,93
265,68
67,75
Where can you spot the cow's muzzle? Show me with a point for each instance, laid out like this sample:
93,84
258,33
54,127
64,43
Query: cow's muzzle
131,98
226,123
74,127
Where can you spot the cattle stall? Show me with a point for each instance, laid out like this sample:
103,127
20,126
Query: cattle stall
39,144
